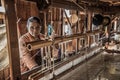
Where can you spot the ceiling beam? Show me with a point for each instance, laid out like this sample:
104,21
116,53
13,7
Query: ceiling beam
99,7
64,4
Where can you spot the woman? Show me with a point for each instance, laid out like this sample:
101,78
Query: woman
30,59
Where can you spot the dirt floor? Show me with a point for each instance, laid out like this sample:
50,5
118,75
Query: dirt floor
100,67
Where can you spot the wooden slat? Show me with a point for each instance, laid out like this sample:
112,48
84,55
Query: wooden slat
89,26
42,15
62,31
12,40
26,9
89,21
5,74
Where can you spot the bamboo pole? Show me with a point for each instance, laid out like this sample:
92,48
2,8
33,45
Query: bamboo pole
38,44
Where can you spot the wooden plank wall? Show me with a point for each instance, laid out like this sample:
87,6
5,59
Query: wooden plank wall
56,18
24,10
5,74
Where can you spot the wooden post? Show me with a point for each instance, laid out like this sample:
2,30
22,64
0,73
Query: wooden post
62,31
89,21
78,39
89,27
45,26
14,59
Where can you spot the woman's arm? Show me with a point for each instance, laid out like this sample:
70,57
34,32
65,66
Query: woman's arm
26,55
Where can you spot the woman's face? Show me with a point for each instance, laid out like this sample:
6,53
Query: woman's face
34,28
